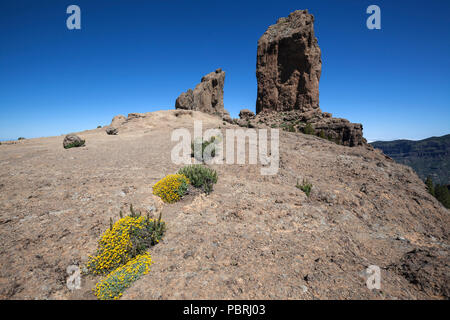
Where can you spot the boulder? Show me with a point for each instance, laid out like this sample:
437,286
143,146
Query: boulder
227,118
289,65
206,97
111,131
246,114
71,140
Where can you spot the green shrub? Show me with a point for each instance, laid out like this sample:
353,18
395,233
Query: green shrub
199,152
200,176
308,129
75,144
98,127
289,127
322,134
21,138
306,186
430,186
440,192
443,195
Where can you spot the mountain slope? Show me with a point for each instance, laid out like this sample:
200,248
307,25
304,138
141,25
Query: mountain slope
254,236
428,157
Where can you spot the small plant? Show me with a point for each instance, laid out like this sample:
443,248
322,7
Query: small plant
289,127
21,138
306,187
98,127
322,134
171,188
200,176
308,129
198,148
117,281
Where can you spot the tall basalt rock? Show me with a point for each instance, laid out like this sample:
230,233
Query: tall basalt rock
207,95
289,65
288,70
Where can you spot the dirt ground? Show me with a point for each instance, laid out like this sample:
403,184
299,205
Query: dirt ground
253,237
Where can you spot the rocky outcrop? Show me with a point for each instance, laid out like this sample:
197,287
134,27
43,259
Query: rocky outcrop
118,120
288,71
207,95
289,65
132,116
322,124
246,114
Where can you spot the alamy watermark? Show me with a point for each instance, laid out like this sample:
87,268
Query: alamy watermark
374,277
214,153
73,282
74,20
374,20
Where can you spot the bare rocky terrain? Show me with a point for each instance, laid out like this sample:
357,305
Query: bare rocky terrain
253,237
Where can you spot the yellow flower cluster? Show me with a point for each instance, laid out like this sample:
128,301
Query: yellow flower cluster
115,283
171,188
115,245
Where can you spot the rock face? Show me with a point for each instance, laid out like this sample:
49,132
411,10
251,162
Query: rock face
207,95
288,71
289,65
117,121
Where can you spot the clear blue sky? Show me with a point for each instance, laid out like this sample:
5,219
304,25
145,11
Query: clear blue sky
138,56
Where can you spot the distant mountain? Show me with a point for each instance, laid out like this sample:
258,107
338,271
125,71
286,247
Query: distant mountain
428,157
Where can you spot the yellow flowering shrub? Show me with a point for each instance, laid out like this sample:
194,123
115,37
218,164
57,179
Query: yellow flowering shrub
171,188
115,283
121,252
128,237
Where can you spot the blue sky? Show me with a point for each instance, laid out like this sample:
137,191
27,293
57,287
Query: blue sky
138,56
